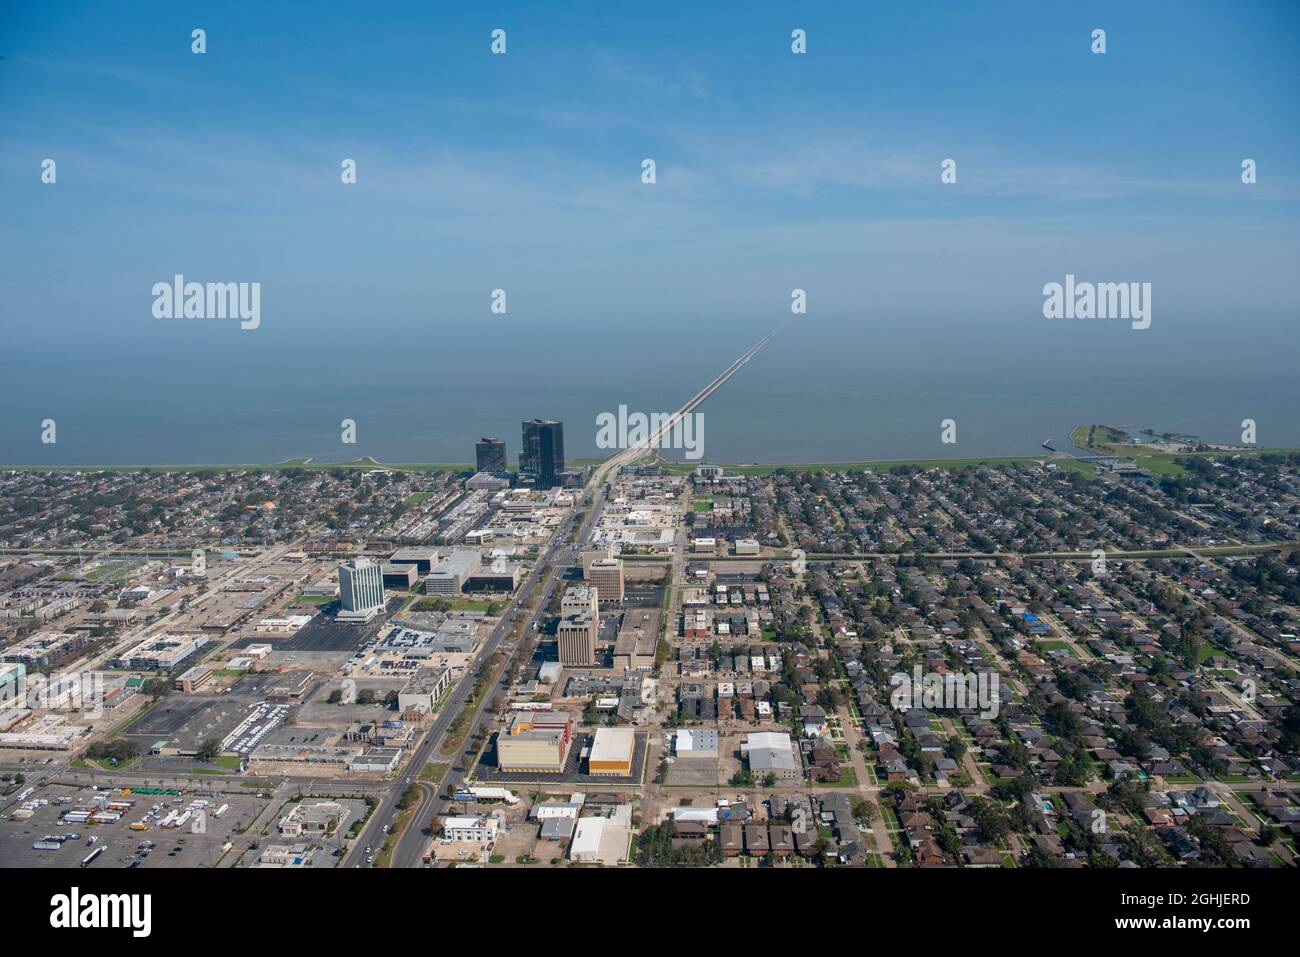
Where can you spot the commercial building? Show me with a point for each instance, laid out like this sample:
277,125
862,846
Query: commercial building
579,627
377,760
696,743
542,455
160,652
449,575
290,687
576,636
471,830
289,625
361,589
424,690
285,856
192,679
747,546
320,817
611,752
490,455
487,580
770,752
634,649
535,741
412,643
324,756
579,599
12,678
607,575
398,575
586,839
422,557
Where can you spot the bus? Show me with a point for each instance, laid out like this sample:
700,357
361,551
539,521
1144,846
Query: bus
90,858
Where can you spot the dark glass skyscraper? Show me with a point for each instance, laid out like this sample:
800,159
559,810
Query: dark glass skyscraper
543,452
490,454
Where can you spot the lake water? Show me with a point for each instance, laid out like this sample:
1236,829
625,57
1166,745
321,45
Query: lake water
824,390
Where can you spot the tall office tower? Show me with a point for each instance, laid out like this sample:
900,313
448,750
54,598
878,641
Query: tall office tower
576,635
607,575
490,454
579,628
580,599
542,455
590,555
361,589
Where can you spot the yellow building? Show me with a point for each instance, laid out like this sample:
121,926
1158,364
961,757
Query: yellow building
535,741
611,752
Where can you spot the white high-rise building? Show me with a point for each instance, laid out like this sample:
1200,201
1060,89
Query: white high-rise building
361,589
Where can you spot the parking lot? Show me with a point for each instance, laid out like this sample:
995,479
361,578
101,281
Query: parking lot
198,842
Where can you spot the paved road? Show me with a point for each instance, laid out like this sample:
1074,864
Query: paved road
411,845
414,843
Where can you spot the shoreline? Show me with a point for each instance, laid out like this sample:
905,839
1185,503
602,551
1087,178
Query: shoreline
749,468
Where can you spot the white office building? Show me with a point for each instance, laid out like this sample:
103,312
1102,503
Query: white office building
361,589
476,830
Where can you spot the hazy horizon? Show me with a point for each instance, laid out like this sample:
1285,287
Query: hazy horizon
523,172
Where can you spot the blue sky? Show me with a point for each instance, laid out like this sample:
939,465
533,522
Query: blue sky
522,171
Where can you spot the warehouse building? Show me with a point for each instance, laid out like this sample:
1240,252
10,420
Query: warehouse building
611,752
696,743
586,840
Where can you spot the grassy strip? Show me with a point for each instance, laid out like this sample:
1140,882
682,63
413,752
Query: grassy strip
433,772
362,463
